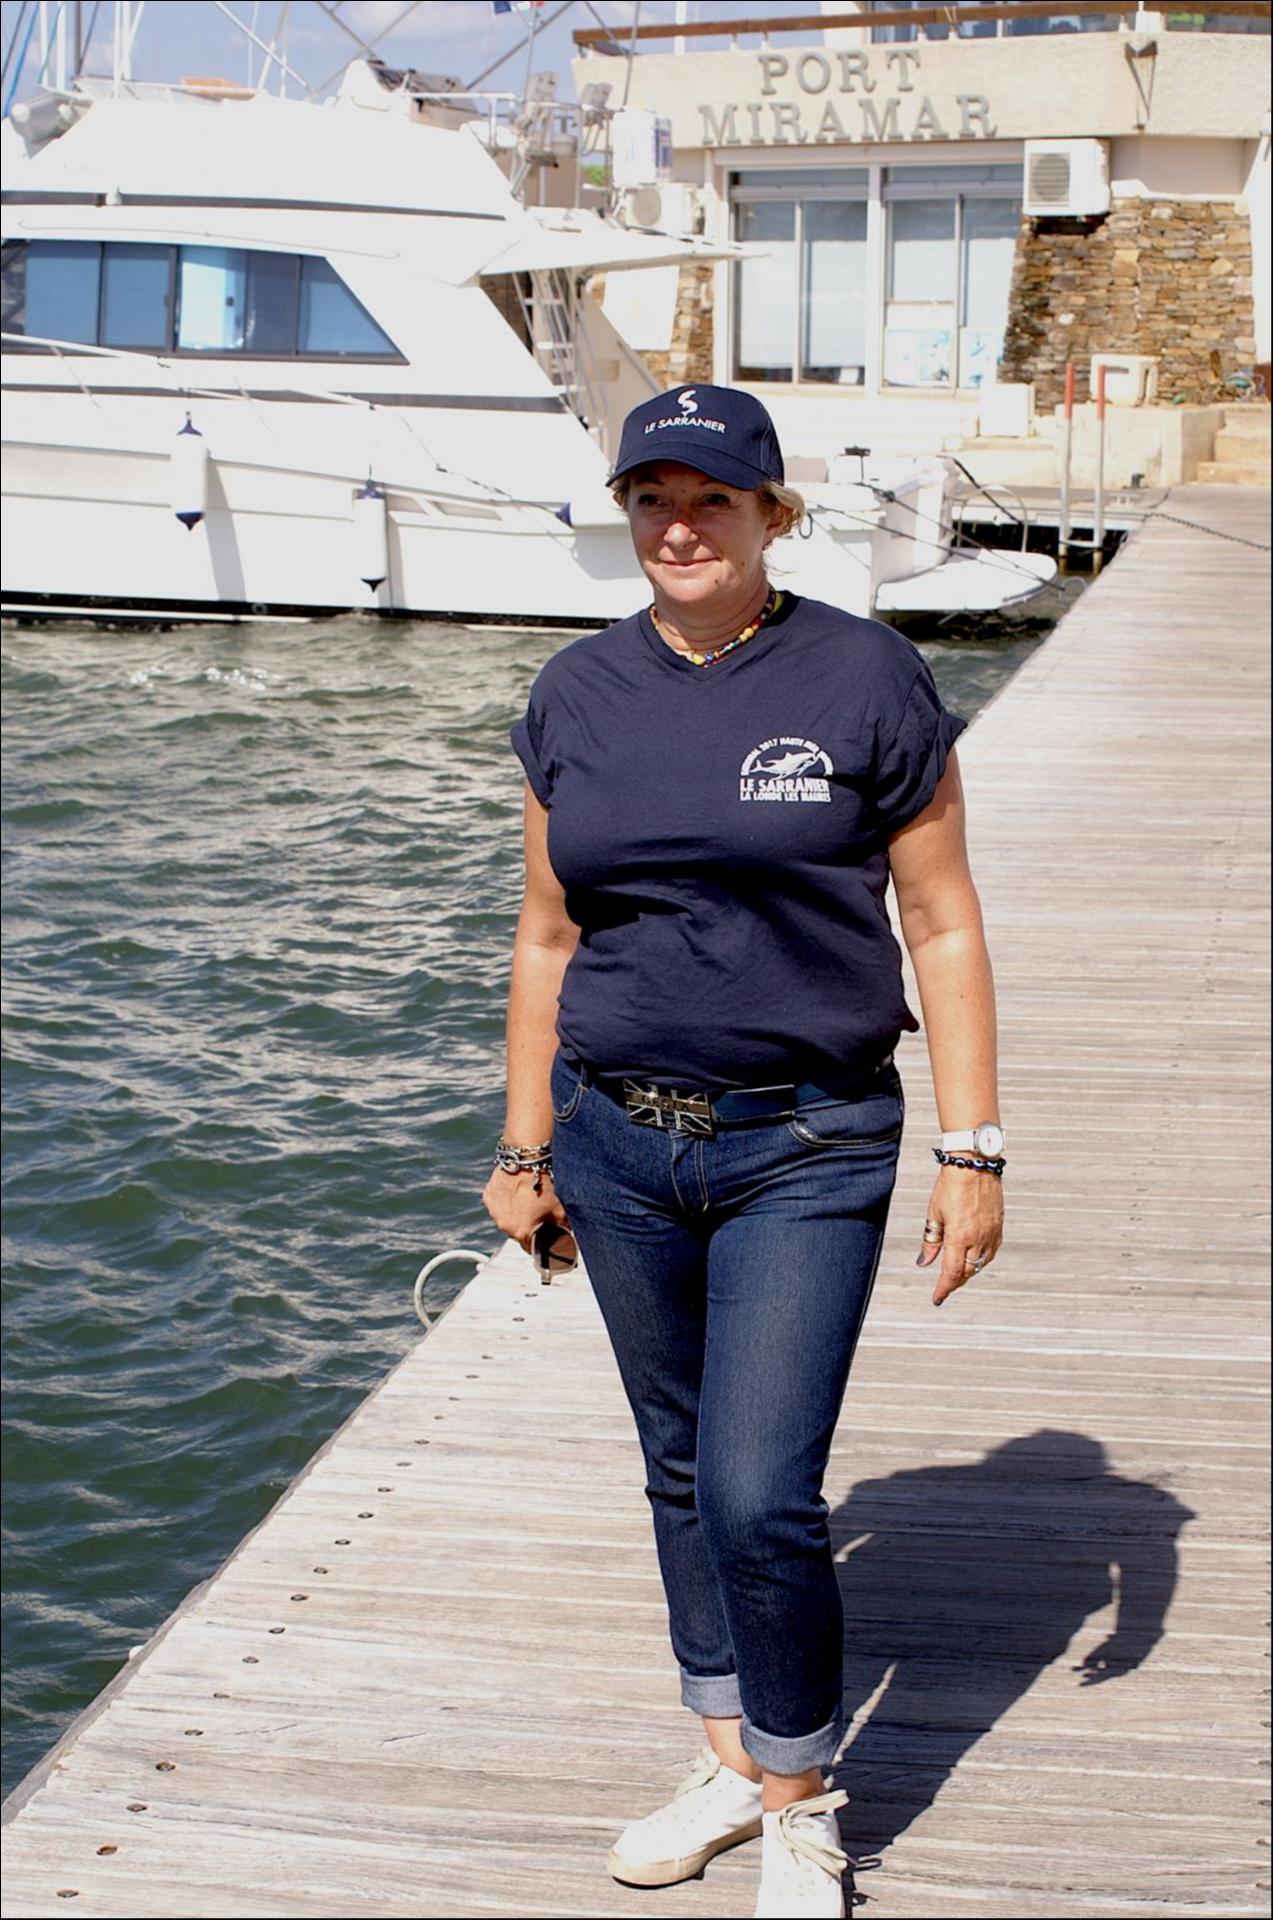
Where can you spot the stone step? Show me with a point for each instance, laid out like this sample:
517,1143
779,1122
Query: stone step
1251,429
1256,417
1248,449
1233,473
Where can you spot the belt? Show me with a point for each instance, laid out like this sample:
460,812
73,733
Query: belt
677,1109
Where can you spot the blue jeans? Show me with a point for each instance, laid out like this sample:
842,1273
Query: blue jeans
733,1274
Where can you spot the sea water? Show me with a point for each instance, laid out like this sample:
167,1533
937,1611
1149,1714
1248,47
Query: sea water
260,890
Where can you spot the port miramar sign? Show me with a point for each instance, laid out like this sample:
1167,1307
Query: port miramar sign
823,97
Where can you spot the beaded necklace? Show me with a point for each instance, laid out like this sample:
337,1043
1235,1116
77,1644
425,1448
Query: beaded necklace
767,612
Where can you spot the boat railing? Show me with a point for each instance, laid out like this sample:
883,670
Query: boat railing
988,493
68,351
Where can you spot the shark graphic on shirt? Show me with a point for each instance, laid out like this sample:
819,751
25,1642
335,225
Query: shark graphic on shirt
790,762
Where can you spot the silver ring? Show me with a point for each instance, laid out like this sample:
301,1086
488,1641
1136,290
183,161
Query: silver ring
976,1265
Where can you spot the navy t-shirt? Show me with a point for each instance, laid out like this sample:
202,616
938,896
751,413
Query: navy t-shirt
721,834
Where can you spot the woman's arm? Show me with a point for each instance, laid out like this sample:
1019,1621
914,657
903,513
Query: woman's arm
941,923
545,939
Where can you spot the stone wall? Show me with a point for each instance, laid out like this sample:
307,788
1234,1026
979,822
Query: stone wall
1171,278
690,354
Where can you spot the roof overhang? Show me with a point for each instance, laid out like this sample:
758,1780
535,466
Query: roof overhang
578,239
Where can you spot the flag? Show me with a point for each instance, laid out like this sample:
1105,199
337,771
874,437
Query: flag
517,6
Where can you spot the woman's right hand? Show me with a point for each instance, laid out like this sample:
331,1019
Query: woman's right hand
516,1208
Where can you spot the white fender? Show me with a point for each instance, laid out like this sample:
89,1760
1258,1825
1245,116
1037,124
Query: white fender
188,475
371,535
592,506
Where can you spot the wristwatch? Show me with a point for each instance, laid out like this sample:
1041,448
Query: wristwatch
987,1140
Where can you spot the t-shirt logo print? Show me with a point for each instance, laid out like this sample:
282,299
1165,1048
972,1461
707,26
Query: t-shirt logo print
786,768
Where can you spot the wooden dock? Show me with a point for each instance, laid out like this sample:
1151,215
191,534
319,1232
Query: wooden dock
436,1680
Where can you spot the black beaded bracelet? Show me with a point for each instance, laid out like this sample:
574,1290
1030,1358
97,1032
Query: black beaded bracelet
958,1160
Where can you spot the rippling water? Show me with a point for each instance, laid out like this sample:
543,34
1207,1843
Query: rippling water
260,889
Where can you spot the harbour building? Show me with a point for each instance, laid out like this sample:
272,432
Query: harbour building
949,204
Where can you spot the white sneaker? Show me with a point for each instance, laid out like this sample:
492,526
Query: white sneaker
803,1860
713,1808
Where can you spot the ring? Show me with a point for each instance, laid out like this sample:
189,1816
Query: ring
932,1231
977,1264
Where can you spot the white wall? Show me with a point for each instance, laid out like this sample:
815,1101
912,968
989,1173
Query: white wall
1256,196
1149,167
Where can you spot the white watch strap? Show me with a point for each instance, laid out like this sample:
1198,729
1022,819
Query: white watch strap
963,1140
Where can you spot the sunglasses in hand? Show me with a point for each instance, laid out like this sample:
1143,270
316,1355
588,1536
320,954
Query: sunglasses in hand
554,1250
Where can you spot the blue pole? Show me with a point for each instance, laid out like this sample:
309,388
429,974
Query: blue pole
20,62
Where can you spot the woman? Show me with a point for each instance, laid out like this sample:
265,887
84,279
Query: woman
705,999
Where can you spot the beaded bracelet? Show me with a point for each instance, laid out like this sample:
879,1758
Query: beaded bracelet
958,1160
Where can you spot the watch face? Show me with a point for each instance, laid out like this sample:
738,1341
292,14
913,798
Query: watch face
990,1140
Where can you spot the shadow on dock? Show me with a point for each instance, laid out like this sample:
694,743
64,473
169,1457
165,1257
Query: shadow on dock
962,1584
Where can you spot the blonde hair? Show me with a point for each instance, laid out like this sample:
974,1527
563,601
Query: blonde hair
770,493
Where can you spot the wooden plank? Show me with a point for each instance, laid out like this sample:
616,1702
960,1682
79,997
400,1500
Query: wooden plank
476,1691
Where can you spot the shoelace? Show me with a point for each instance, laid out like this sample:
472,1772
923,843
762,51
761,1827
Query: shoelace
821,1853
705,1767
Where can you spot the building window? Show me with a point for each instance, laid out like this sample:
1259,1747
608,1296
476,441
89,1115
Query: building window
1062,22
950,239
809,308
988,244
833,308
766,293
217,301
895,33
919,318
800,308
1058,22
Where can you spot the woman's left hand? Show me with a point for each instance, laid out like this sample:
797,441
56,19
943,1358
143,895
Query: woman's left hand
967,1206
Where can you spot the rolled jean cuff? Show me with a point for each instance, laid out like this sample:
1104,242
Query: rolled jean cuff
779,1753
714,1694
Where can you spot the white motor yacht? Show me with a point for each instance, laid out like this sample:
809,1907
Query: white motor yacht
262,356
251,365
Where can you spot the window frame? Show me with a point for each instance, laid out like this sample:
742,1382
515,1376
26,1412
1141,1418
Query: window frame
960,191
879,182
17,344
858,186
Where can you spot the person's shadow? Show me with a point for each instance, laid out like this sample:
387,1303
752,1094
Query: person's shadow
962,1584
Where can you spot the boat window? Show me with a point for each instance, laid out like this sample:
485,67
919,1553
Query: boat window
207,300
235,301
332,321
273,293
136,306
212,298
51,289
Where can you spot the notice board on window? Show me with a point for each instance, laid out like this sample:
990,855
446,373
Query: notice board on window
918,336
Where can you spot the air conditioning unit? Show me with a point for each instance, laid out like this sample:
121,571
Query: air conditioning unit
1066,177
674,207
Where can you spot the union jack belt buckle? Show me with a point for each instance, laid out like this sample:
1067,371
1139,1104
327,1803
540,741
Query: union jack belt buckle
673,1112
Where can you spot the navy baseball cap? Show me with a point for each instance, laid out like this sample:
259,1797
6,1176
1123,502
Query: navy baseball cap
716,429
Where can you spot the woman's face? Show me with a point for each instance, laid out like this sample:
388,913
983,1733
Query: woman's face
696,538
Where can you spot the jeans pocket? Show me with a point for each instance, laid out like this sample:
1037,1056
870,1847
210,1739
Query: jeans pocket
566,1088
867,1120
